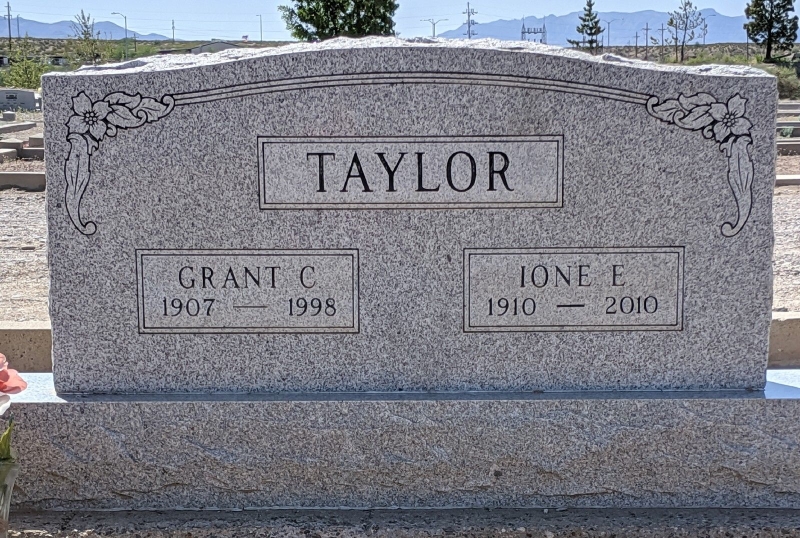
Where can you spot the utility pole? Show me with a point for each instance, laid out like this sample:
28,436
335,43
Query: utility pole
608,27
661,52
433,24
470,23
646,38
636,46
173,31
17,26
746,47
125,54
261,26
8,5
134,43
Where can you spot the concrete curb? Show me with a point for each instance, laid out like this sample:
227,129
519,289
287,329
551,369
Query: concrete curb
16,127
29,181
454,523
789,146
27,345
784,340
784,181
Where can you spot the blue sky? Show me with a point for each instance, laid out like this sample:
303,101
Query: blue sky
206,19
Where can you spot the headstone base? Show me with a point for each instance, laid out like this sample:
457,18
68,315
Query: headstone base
435,450
470,523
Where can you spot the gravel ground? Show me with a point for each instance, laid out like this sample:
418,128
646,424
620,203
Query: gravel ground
788,165
786,260
23,256
24,276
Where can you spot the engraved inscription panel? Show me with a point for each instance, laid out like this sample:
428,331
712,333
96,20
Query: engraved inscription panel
411,172
573,289
248,291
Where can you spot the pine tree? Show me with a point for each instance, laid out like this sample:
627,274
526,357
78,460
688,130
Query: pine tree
589,28
24,71
771,24
312,20
682,25
87,43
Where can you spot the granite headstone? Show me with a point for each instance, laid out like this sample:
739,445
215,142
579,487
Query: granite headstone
379,215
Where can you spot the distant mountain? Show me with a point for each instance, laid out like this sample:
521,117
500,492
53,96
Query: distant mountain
63,29
721,28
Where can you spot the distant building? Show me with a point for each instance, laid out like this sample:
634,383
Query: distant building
214,46
13,99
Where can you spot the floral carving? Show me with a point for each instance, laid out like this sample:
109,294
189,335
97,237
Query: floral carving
89,125
726,124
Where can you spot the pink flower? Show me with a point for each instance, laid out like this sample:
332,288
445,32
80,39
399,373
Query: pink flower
730,118
88,117
10,381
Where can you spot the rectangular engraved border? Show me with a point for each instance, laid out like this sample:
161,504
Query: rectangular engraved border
355,328
677,326
263,204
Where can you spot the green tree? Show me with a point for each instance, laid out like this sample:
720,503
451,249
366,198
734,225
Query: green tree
772,25
87,47
682,25
312,20
25,71
589,28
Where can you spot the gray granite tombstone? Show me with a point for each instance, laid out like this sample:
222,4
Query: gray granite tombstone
362,216
443,273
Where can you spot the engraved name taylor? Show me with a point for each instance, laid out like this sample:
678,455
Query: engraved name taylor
495,165
413,173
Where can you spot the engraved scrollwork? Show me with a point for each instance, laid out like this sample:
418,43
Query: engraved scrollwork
92,122
726,124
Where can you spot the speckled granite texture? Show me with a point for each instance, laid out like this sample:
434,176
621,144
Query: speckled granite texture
632,523
168,152
648,449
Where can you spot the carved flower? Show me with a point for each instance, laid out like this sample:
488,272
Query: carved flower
89,117
730,118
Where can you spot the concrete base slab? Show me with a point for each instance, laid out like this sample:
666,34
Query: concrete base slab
479,523
36,141
27,345
29,181
784,181
410,450
7,154
12,143
17,127
32,153
789,146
